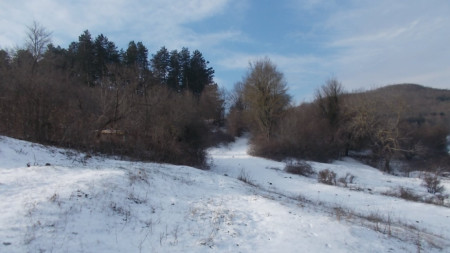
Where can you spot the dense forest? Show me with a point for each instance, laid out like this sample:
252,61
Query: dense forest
94,97
166,107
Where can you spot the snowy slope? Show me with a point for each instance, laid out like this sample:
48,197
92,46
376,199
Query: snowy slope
268,174
93,204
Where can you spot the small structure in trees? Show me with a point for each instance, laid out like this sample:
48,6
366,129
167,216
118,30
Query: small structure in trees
111,136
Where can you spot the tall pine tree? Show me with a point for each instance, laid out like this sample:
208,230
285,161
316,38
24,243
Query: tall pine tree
130,57
173,79
82,54
160,65
142,57
199,74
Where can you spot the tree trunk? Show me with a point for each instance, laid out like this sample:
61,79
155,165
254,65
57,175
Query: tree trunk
387,166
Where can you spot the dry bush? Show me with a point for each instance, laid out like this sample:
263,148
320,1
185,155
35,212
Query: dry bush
407,194
236,125
438,199
245,177
218,136
327,177
431,137
303,134
138,176
235,122
433,184
404,193
299,168
211,105
348,179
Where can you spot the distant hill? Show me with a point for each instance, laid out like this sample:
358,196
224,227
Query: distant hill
419,103
424,114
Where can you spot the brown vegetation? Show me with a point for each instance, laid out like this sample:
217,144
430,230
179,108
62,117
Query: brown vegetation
402,122
299,168
60,97
167,109
327,177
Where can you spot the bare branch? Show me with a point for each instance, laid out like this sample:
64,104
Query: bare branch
37,39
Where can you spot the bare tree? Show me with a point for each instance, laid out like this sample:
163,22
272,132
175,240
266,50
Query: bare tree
236,123
328,98
371,119
38,37
265,94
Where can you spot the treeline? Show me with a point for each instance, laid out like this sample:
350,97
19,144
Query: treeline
376,126
167,108
94,97
95,61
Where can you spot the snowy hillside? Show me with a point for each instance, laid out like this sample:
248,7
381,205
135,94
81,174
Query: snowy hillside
65,201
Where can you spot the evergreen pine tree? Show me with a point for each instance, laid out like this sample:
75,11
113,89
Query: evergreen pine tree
160,65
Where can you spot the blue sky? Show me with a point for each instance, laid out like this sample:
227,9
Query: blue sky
363,43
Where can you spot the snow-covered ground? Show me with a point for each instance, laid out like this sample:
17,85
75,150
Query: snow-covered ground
68,202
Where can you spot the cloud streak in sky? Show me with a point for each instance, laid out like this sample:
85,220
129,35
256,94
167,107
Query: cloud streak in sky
386,42
155,22
363,43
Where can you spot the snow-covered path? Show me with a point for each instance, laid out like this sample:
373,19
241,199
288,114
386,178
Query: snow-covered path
82,204
366,201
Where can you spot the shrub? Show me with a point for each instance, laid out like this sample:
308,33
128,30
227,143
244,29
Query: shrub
327,177
236,125
235,122
348,179
407,194
433,184
244,177
438,199
314,140
216,137
300,168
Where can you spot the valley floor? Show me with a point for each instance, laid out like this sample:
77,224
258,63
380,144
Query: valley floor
66,201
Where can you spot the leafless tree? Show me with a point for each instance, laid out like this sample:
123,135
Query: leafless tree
328,98
265,94
38,37
373,119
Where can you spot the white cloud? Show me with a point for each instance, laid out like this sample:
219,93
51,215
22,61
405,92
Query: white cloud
362,43
292,63
156,22
387,42
313,5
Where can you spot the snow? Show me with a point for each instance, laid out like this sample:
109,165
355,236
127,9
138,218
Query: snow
79,203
